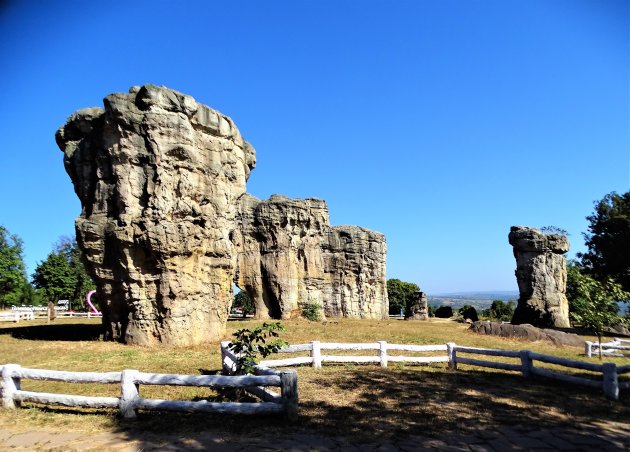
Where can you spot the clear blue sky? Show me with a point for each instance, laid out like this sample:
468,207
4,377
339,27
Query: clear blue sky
438,123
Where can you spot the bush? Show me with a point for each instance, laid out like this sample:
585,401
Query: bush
312,311
254,343
444,312
469,312
500,311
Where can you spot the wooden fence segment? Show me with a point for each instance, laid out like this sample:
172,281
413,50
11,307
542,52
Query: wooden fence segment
68,377
566,362
491,364
66,400
210,407
207,380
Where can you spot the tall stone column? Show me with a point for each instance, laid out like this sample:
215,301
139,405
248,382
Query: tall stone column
541,274
158,176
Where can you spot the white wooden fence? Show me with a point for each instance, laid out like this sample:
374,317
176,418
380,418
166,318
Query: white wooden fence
130,401
525,361
616,347
16,316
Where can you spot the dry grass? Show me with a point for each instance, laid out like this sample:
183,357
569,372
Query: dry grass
364,402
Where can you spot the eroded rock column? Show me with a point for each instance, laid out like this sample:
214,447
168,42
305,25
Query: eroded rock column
158,176
542,277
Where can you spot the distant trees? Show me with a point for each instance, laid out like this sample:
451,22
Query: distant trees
400,294
14,286
501,311
608,240
62,274
243,302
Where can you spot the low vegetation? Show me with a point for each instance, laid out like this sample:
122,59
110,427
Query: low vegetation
367,401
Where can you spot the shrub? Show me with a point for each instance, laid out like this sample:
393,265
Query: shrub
312,311
469,312
444,312
251,344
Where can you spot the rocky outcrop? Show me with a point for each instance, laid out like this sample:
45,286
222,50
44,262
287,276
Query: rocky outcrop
290,256
158,176
166,226
419,307
527,332
542,277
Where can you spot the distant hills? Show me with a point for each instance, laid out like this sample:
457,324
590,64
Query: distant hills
480,300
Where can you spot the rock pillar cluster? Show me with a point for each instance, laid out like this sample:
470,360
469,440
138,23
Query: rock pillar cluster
166,225
291,256
542,277
419,308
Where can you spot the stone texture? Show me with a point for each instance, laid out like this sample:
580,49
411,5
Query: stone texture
158,176
289,255
542,277
419,307
166,226
527,332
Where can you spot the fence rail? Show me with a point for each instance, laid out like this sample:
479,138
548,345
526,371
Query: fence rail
130,401
612,348
606,376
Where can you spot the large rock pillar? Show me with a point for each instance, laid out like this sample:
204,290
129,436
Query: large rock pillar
158,176
541,274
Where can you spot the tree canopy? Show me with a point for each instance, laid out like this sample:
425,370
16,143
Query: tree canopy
400,294
62,275
608,240
14,286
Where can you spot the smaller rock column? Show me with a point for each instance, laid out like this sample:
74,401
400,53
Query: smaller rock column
419,308
541,273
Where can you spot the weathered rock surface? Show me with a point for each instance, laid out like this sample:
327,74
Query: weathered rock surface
166,226
158,176
419,307
527,332
542,277
289,256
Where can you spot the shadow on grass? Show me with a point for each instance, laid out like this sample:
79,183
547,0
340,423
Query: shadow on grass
56,332
368,405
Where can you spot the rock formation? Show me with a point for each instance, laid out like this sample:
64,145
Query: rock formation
290,256
542,277
165,221
419,308
527,332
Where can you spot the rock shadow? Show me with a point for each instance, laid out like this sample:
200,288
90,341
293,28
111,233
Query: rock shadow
56,332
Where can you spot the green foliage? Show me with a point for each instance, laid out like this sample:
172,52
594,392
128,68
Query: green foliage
608,240
594,304
500,311
468,312
400,294
14,287
311,311
444,312
250,344
62,275
554,230
244,302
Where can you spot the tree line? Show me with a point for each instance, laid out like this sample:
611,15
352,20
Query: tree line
61,276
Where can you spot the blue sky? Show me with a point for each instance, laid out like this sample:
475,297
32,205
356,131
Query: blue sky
438,123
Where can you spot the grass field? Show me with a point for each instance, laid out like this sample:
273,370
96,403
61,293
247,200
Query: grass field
364,402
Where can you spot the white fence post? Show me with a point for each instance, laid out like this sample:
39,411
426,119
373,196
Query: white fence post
224,345
526,363
610,380
289,388
452,355
382,352
16,317
10,384
588,348
129,393
316,354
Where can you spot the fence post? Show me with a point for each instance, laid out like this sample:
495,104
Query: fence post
588,348
452,355
382,352
16,317
10,384
289,392
526,363
129,393
316,354
610,380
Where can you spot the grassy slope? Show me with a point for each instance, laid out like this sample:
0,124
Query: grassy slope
362,401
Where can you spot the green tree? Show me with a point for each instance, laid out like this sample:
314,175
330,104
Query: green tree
250,344
62,275
608,240
499,310
400,294
14,286
244,302
594,304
